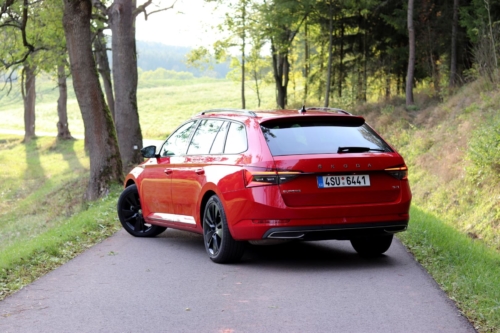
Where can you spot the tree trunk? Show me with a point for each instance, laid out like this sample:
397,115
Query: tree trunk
102,60
306,64
128,128
454,33
62,110
280,71
243,17
104,155
257,91
365,63
341,62
388,81
29,97
330,57
411,57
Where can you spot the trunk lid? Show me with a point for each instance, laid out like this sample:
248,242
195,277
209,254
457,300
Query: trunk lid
357,179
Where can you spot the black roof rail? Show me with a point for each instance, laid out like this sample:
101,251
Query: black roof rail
326,109
242,111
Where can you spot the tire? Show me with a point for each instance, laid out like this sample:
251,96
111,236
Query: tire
373,246
130,215
219,244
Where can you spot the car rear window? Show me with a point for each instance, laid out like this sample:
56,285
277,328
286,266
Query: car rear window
324,136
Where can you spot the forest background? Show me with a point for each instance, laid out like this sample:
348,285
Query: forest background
424,73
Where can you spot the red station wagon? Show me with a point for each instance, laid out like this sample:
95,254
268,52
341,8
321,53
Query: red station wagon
237,175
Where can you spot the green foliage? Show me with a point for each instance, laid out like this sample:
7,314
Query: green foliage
484,152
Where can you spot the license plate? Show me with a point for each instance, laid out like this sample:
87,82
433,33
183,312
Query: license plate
343,181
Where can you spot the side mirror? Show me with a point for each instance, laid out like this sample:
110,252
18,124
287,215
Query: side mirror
148,152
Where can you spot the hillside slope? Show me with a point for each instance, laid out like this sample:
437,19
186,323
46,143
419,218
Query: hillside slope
452,150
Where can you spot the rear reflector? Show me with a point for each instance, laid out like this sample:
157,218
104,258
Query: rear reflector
400,173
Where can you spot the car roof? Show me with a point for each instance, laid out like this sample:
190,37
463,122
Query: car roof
265,115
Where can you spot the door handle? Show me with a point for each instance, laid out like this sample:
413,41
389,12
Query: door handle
168,171
200,171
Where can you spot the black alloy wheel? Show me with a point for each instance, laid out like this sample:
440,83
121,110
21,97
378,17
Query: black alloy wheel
372,246
220,245
130,215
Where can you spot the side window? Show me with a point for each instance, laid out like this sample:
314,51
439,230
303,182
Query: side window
220,139
177,143
236,139
204,137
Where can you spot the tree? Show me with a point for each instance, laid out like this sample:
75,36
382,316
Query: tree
104,154
35,40
411,56
29,96
16,17
122,22
454,33
330,54
62,102
104,69
282,20
121,19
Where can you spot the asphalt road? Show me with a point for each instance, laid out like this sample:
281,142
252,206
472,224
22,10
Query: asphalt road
168,284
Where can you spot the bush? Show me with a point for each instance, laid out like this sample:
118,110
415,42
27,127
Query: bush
484,151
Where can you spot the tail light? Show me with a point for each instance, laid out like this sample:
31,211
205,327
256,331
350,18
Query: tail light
400,173
263,178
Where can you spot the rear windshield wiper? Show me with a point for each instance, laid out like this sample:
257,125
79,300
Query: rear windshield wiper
357,149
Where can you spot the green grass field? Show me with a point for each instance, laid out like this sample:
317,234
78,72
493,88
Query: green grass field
163,104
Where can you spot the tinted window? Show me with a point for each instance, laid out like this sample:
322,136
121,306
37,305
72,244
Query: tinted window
177,143
204,136
236,139
309,137
220,139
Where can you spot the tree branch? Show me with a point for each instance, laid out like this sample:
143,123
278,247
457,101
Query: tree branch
9,80
142,9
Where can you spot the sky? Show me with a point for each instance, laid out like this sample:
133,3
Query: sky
189,23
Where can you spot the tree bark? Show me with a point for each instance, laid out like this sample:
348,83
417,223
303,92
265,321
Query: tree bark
104,155
411,56
341,61
454,33
102,60
330,57
243,17
280,70
29,97
128,128
306,64
62,109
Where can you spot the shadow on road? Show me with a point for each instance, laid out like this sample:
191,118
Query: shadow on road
296,256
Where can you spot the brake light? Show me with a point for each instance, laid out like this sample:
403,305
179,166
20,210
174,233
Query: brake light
263,178
400,173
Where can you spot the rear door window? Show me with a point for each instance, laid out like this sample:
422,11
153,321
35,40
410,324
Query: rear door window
236,141
220,140
324,136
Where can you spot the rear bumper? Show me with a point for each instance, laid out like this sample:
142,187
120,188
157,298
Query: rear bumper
340,232
260,213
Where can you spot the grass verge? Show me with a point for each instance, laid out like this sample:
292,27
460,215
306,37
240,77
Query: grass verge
466,269
44,221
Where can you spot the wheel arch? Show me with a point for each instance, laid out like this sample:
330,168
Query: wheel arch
129,182
208,194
